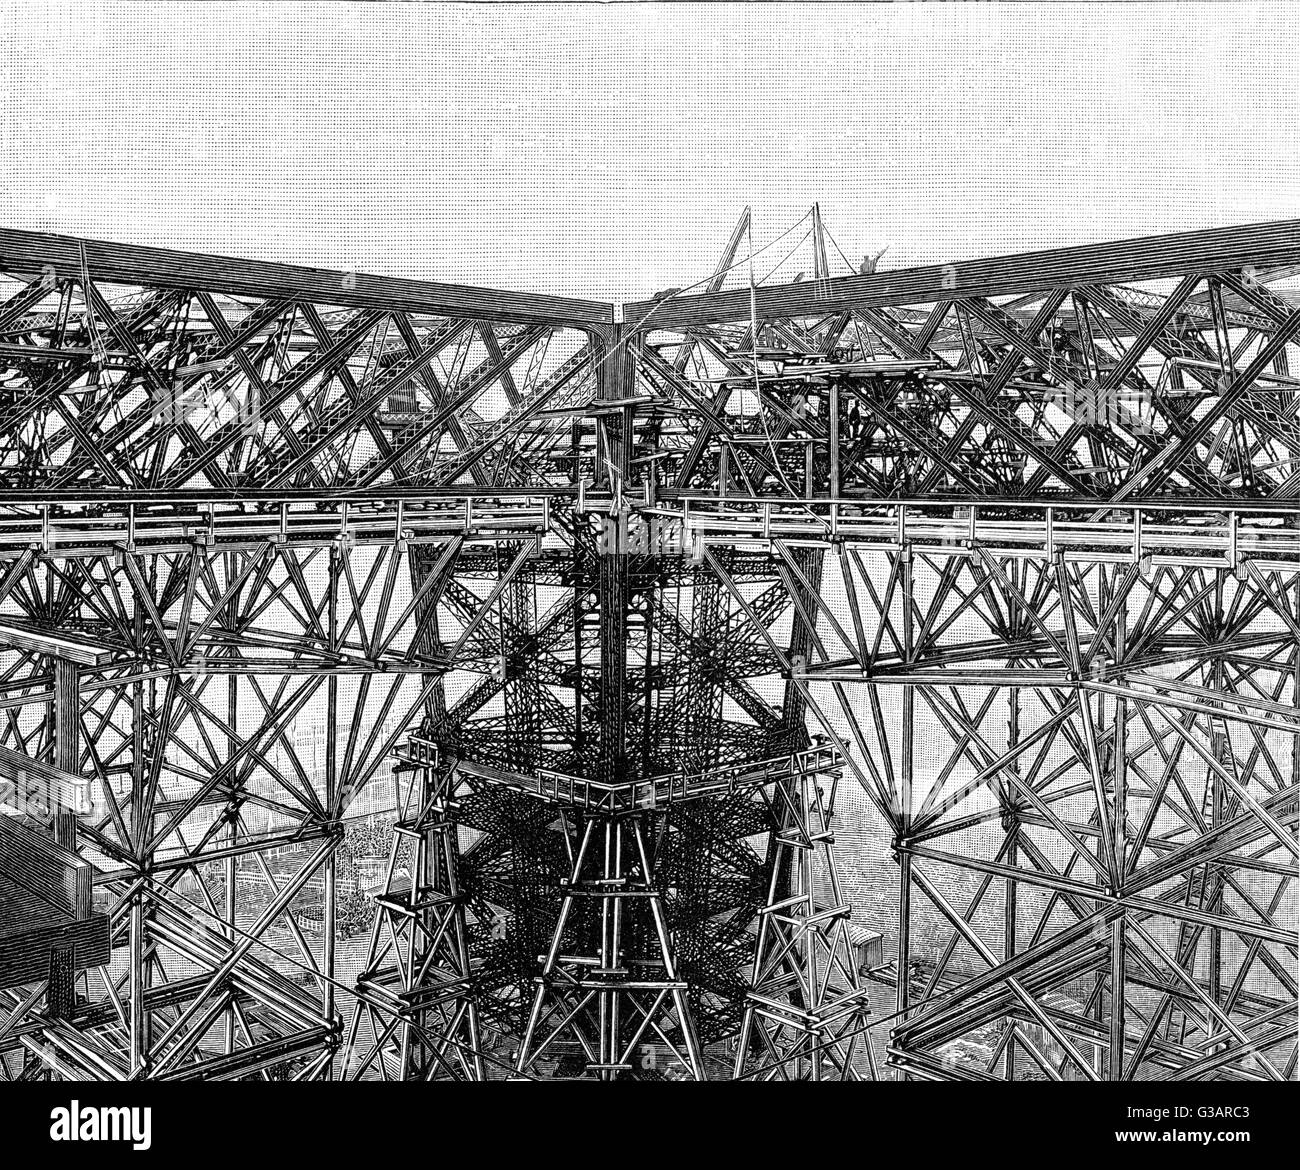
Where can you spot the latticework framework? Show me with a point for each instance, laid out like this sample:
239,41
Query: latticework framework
1014,544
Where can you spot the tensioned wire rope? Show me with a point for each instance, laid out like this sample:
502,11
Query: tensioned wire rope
629,333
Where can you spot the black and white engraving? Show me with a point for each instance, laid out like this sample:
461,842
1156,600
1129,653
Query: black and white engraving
843,660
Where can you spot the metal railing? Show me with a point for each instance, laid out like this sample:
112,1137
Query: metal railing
643,793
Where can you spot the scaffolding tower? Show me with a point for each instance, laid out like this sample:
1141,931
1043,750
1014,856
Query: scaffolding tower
617,605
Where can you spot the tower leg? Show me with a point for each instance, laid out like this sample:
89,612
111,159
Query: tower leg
806,1012
416,1011
609,1003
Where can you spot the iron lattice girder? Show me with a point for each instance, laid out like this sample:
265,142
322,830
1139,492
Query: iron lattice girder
35,253
166,391
1075,393
421,476
1258,247
971,432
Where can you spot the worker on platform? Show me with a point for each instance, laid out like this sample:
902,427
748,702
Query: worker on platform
853,421
868,265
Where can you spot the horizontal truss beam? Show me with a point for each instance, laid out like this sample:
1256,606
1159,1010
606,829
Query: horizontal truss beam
31,253
1258,246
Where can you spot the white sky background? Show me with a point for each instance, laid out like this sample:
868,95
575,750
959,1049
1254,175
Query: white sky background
606,151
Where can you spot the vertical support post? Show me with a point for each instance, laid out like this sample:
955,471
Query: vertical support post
1009,946
613,438
1011,823
1118,943
905,790
1295,673
805,1014
67,740
328,915
821,269
142,830
139,1044
902,1000
835,439
1119,768
579,595
60,993
625,959
60,987
807,878
1219,749
232,829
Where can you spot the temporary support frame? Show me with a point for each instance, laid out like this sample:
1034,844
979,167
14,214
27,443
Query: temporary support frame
806,1015
1034,514
613,1004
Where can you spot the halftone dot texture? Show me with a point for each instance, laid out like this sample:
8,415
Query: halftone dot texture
606,150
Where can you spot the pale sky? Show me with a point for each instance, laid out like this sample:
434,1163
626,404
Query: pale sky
607,150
